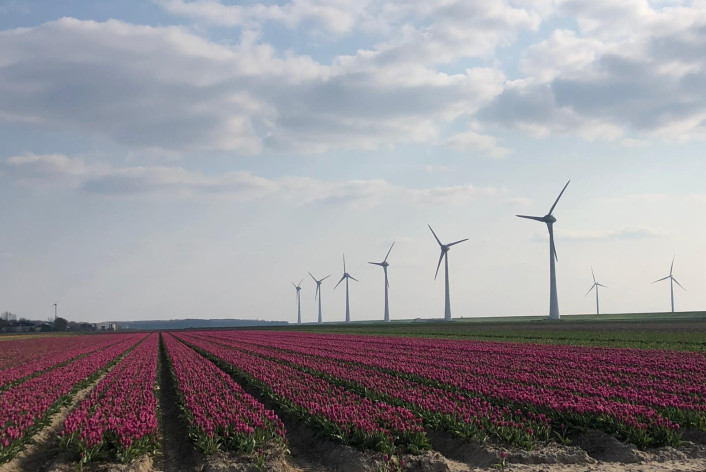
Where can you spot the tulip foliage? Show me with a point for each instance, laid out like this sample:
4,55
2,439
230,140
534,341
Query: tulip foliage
27,406
26,358
221,415
328,408
119,417
642,396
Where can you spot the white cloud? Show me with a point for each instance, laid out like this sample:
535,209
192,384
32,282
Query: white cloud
335,16
470,141
55,170
167,88
606,80
630,232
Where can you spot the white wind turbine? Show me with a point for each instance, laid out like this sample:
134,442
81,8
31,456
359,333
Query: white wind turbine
346,276
550,220
671,282
299,300
444,255
384,264
318,292
595,286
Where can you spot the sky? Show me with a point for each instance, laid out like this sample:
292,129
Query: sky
178,158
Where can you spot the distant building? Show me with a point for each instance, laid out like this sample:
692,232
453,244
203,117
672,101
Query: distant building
44,327
106,326
22,326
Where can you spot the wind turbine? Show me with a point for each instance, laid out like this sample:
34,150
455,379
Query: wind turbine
55,305
346,276
384,264
550,220
299,301
444,250
595,286
671,282
318,292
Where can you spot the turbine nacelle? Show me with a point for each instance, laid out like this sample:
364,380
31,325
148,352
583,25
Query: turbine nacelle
384,264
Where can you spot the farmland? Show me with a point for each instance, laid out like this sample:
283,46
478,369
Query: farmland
319,399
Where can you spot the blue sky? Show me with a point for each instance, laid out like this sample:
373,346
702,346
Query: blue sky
178,158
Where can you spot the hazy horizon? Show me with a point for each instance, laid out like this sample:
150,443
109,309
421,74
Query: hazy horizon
173,157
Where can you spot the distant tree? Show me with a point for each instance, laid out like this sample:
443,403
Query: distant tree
60,324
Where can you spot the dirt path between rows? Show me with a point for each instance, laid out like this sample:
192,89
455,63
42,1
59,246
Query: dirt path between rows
178,453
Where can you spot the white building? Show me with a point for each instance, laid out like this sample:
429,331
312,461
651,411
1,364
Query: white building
105,326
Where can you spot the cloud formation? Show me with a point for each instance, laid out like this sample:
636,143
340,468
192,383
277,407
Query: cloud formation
630,232
56,170
606,81
168,88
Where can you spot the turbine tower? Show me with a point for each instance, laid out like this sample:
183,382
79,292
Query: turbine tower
318,292
671,282
299,301
346,276
595,286
384,264
550,220
444,255
55,305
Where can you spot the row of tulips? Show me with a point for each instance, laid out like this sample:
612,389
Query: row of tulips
27,407
466,416
328,408
582,404
25,358
220,414
680,373
119,417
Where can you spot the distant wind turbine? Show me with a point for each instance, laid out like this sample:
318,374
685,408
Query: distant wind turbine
671,282
550,220
55,305
299,301
318,292
444,255
384,264
595,286
346,276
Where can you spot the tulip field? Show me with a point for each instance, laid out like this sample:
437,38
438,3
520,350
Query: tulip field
235,390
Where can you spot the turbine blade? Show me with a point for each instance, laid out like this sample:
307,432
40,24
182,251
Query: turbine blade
318,286
589,290
672,267
663,278
313,278
344,263
325,278
435,236
594,275
557,198
449,245
388,252
295,286
551,242
675,280
300,282
537,218
354,278
439,264
601,285
376,263
339,282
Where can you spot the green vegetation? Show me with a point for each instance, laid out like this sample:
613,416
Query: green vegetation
674,331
